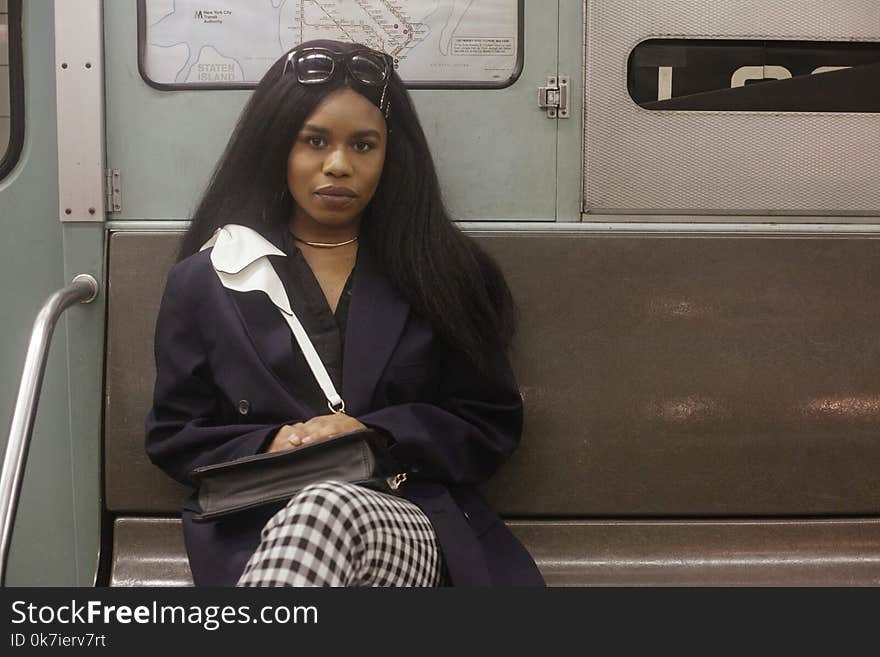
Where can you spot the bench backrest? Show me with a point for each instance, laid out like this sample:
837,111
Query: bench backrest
662,375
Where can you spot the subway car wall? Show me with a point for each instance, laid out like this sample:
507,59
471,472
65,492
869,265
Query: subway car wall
684,200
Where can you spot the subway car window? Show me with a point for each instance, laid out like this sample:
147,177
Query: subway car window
230,45
755,75
11,85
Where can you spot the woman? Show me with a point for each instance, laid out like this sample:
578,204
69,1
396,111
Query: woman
328,177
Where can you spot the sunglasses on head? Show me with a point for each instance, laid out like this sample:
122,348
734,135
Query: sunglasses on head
316,65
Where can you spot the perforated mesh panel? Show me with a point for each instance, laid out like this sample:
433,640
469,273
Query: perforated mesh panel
739,163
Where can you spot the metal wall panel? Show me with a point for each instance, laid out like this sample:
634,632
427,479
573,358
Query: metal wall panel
79,82
638,161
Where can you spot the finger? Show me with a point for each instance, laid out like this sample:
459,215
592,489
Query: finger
297,432
324,430
317,421
315,436
298,438
315,429
314,426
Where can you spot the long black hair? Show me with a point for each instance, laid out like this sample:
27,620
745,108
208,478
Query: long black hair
442,273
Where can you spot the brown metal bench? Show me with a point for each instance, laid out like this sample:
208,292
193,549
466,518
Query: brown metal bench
699,410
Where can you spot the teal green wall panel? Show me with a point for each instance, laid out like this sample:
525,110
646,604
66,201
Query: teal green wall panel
84,254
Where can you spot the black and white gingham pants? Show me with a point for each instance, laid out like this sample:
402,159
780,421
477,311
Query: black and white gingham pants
338,534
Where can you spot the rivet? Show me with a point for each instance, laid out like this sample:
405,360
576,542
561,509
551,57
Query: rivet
68,211
91,210
63,64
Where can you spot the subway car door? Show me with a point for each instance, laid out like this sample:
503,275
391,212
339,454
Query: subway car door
53,229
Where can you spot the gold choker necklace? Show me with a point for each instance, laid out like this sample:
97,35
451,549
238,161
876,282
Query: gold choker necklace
325,245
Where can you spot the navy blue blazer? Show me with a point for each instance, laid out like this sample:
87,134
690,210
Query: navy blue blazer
452,427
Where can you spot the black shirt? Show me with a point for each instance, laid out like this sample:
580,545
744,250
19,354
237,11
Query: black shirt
325,328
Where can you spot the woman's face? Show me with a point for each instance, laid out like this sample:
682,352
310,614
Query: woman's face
335,165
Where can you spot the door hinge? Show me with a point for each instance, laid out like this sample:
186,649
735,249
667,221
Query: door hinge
555,97
113,190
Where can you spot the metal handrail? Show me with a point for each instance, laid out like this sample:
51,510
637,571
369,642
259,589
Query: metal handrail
83,289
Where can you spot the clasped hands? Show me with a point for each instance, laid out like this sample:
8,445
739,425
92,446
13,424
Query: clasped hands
318,428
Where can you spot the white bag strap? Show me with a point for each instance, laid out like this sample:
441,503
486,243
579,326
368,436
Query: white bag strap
334,401
239,258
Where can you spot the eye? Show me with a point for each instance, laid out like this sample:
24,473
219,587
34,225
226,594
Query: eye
315,142
363,147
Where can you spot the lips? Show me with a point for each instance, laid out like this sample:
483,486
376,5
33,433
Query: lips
336,199
335,191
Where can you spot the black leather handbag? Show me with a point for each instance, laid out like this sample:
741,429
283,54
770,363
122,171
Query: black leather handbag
253,481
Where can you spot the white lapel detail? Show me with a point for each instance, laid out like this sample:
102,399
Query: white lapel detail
235,247
240,259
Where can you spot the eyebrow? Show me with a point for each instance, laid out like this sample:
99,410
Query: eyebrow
357,135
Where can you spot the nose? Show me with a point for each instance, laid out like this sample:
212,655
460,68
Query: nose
336,163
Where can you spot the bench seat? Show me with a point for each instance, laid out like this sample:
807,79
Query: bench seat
699,410
150,552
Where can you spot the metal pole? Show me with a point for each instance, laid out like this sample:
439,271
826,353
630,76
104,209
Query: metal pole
82,289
